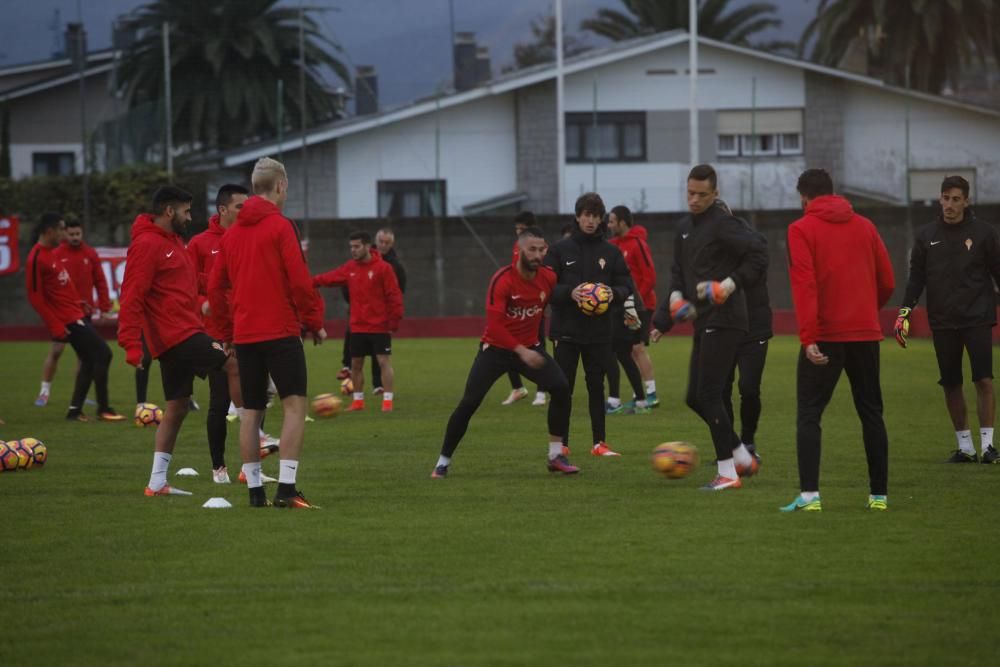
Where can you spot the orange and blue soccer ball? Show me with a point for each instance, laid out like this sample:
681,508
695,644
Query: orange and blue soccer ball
9,459
148,414
36,449
326,405
674,459
596,298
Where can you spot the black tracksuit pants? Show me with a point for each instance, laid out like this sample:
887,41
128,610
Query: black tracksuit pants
861,362
492,363
750,361
596,358
95,358
713,355
218,408
514,376
623,352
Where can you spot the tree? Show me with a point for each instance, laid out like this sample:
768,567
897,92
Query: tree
541,48
922,43
646,17
225,61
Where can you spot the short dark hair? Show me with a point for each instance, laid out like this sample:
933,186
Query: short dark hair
525,218
226,192
955,182
360,235
74,222
567,228
168,195
814,183
590,202
49,220
623,214
704,172
532,232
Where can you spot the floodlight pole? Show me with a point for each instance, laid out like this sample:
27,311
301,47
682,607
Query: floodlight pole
168,112
560,116
693,79
302,113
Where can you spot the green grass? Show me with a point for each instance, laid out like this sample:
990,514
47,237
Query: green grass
500,563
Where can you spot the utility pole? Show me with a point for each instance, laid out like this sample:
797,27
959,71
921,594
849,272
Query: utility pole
693,79
560,116
302,113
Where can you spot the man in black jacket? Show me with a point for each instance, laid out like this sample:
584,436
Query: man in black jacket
957,258
586,257
715,256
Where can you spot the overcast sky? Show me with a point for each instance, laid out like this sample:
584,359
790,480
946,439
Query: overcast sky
406,40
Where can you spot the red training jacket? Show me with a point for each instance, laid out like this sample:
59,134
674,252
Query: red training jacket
376,300
640,262
159,291
51,291
840,272
260,259
514,306
84,268
204,248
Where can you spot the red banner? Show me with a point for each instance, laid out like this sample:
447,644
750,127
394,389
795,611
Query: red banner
10,259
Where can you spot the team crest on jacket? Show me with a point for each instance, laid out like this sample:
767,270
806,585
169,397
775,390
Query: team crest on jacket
968,244
601,262
371,274
542,296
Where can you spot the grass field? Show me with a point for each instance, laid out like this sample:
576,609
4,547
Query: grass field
500,563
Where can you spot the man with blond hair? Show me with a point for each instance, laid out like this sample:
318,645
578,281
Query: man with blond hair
271,302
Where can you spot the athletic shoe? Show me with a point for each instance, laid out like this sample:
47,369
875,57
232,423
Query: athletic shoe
958,456
878,503
356,405
377,390
221,475
798,504
259,499
721,483
193,404
638,410
166,490
309,419
515,396
42,400
109,415
264,479
562,464
268,449
991,455
651,400
565,450
76,415
440,472
387,405
613,409
602,449
269,440
751,470
344,373
298,501
231,417
540,399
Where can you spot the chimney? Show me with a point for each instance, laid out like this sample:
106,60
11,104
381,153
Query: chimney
76,44
365,90
484,71
465,60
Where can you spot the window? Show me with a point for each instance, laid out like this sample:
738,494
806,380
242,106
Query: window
411,199
791,144
615,137
759,132
53,164
759,144
728,145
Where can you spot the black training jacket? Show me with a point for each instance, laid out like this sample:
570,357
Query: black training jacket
758,300
957,264
715,245
584,258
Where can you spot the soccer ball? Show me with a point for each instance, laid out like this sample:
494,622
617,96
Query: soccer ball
346,386
326,405
148,414
674,459
596,297
8,456
24,459
36,449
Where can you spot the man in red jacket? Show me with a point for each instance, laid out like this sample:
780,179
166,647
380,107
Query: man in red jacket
159,304
53,295
522,221
376,309
262,293
84,268
841,277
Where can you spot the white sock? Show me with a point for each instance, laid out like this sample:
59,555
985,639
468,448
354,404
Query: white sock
539,395
359,396
386,395
965,441
650,386
46,388
555,449
232,408
986,438
444,460
642,404
614,402
728,469
158,476
252,472
742,456
260,433
286,471
809,496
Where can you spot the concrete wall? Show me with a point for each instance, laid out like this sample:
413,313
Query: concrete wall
536,146
824,129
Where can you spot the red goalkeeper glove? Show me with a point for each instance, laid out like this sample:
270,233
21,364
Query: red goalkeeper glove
715,291
902,326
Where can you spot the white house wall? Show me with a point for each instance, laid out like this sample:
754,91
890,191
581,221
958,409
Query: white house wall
477,156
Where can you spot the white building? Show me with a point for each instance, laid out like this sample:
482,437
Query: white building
763,119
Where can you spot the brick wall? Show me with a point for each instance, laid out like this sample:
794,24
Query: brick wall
536,146
824,124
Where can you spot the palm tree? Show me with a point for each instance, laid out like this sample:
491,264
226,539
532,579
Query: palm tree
541,48
646,17
920,43
225,60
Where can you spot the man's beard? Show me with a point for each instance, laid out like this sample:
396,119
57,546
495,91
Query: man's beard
177,224
527,265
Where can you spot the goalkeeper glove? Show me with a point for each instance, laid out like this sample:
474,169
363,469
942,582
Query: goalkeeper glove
902,326
715,291
681,309
631,314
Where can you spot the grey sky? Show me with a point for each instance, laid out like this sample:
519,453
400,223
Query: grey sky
406,40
